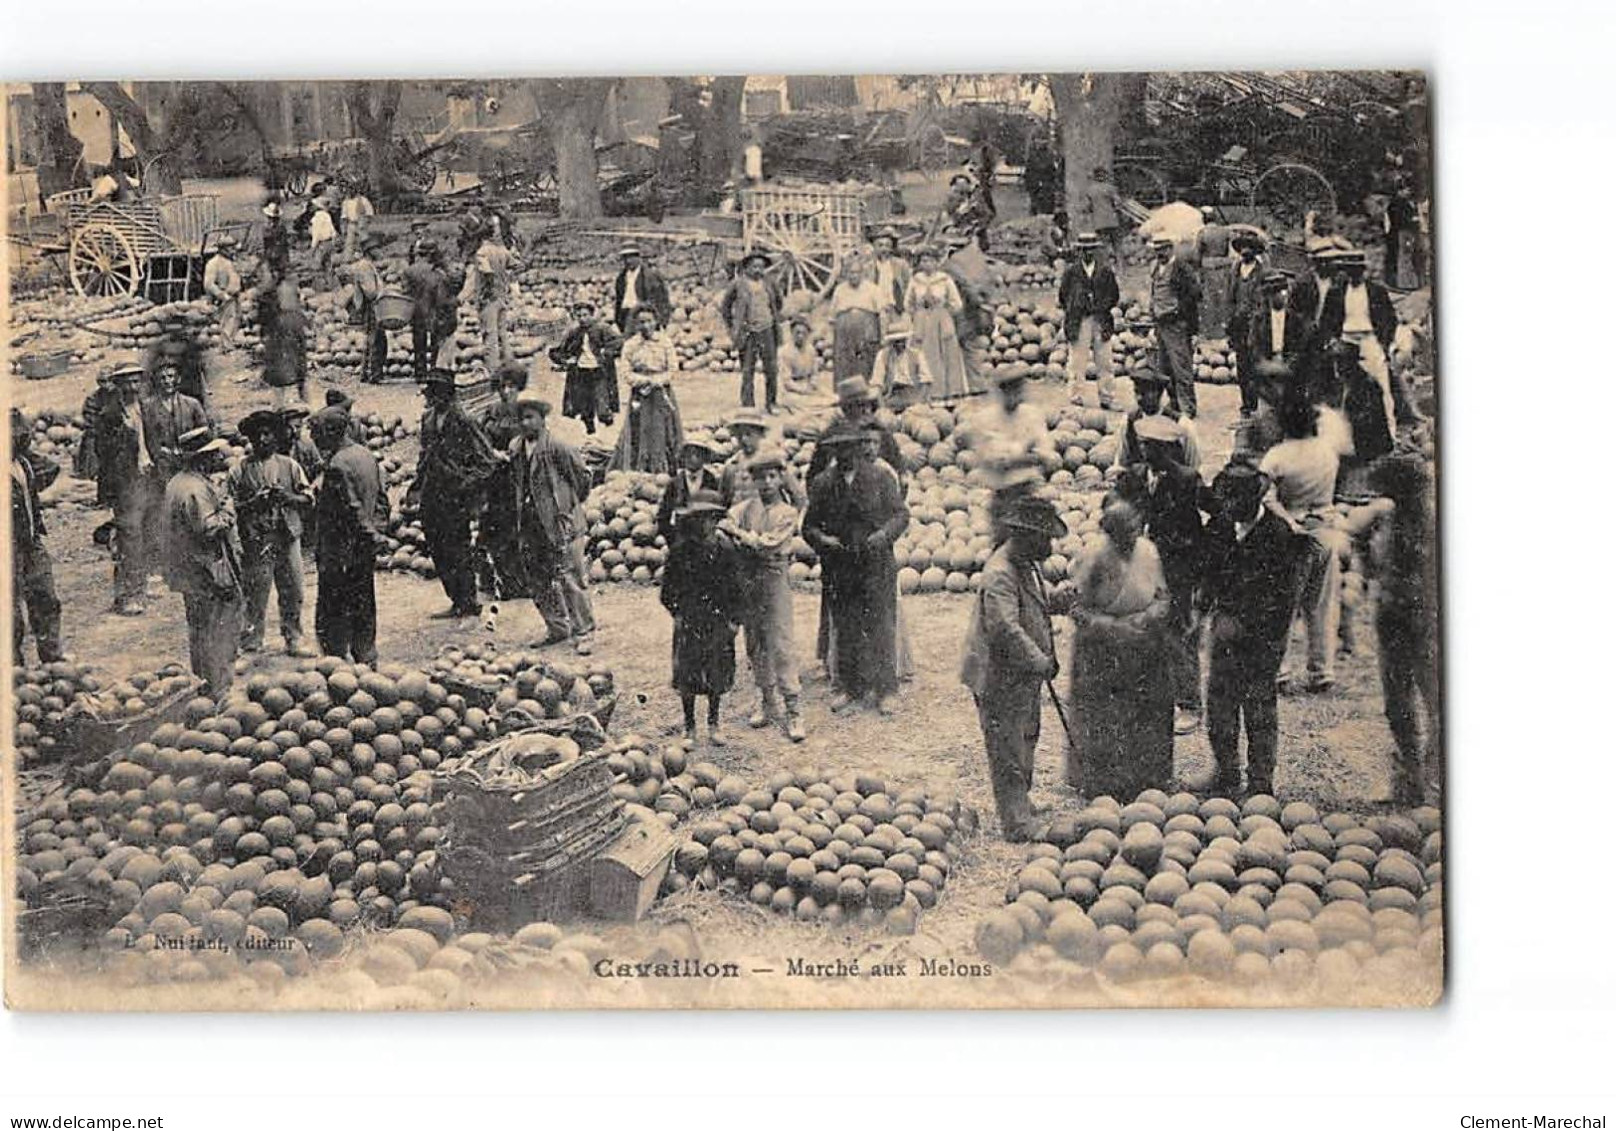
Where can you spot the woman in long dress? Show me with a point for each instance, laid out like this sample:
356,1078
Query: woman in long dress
283,326
652,431
1121,693
856,308
933,302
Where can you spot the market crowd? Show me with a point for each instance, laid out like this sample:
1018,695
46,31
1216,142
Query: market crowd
1191,575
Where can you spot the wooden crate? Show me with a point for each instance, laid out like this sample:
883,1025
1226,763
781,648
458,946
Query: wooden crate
92,738
624,880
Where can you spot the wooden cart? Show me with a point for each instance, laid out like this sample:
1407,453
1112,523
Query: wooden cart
150,246
809,229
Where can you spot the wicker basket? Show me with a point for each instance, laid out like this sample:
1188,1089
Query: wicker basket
394,311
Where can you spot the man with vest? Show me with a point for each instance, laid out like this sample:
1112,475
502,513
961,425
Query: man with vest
204,558
1175,298
270,492
638,285
34,605
550,483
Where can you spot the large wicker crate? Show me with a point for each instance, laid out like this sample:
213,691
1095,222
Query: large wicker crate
92,738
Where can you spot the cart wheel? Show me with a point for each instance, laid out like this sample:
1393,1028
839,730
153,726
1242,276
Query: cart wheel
815,271
1289,191
1141,183
102,261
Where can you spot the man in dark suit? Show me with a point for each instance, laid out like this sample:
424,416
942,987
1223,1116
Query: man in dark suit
638,285
1249,592
1246,278
351,506
1088,291
127,479
1169,495
1175,306
455,464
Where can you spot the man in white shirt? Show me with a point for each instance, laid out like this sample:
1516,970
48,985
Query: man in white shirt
488,284
322,238
356,213
1303,468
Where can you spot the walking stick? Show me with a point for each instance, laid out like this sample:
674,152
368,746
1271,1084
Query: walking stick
1054,697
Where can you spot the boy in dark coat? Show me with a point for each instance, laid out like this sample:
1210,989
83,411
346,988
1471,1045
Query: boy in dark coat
856,511
1249,593
700,587
1088,291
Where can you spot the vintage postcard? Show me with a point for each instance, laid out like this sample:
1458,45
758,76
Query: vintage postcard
760,541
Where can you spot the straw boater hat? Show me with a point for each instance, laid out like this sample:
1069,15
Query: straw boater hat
225,242
199,442
1276,281
1086,239
259,422
701,502
126,372
843,437
1161,239
854,390
898,330
627,251
701,444
748,418
1037,515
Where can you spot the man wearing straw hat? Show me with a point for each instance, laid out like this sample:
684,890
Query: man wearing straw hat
550,484
222,284
204,558
1010,656
751,310
1088,291
638,285
127,478
270,493
900,372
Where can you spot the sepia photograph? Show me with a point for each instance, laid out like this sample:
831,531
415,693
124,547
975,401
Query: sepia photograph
725,541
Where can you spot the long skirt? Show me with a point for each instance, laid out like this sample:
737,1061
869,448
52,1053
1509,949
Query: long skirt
703,656
856,341
652,435
939,341
1121,712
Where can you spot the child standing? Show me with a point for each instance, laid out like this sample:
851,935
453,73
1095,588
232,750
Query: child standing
763,527
700,588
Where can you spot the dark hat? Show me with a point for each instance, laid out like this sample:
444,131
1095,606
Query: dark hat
854,390
199,442
331,421
371,239
1351,257
1148,377
701,502
438,379
292,413
800,320
428,247
1248,239
1276,281
845,436
1038,515
762,256
886,234
1007,376
258,422
337,398
583,304
1240,485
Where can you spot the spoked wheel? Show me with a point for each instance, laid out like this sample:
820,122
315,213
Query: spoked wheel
102,261
815,271
806,254
1289,191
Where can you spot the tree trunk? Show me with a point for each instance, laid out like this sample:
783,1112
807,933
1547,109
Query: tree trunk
239,97
163,177
722,142
571,110
374,108
59,150
1087,108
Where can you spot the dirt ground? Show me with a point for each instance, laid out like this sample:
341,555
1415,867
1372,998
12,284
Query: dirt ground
1334,748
